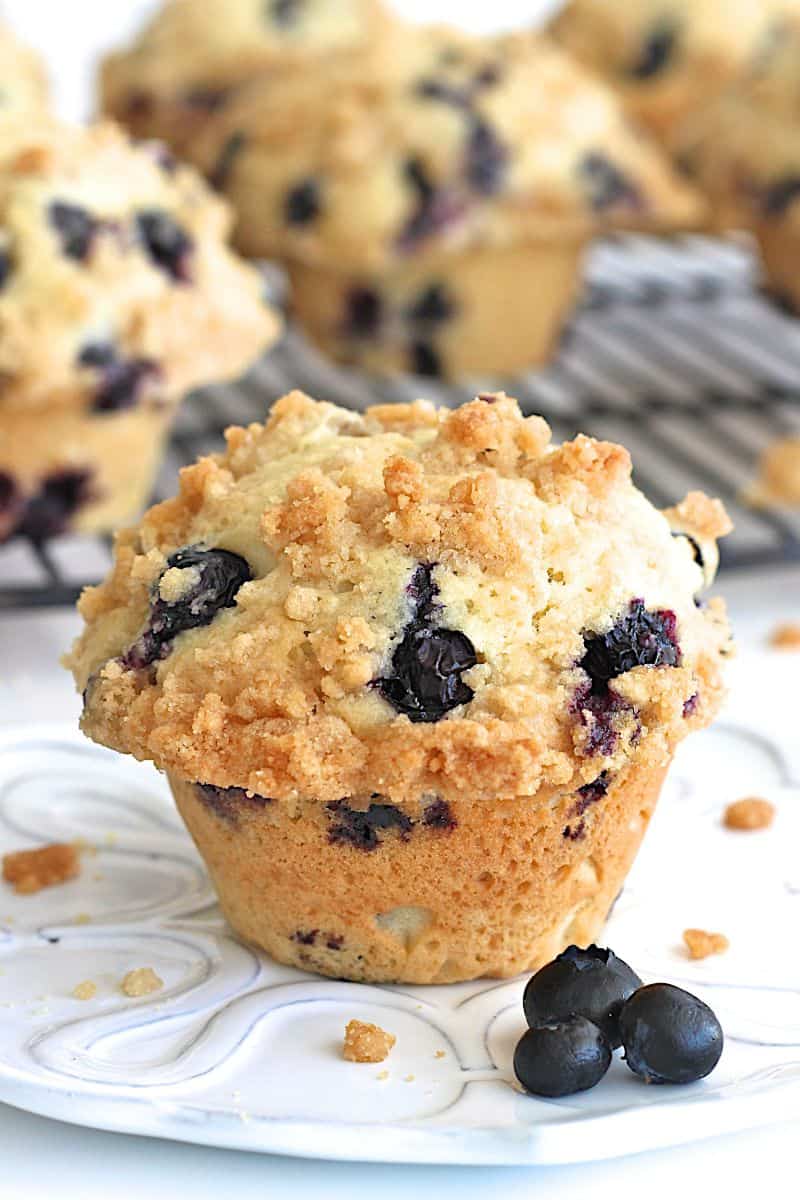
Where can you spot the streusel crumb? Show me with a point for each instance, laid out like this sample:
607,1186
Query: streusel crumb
366,1043
141,982
750,813
701,944
786,636
29,871
84,991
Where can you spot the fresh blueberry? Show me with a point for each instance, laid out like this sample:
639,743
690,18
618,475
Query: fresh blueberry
48,513
637,639
425,680
669,1035
168,244
657,49
75,227
219,575
424,360
606,185
487,158
364,312
224,165
360,828
778,197
303,203
432,306
591,983
560,1058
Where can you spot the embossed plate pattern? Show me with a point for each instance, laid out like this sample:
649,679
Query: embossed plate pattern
238,1051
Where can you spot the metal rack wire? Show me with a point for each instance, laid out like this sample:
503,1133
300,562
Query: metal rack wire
674,353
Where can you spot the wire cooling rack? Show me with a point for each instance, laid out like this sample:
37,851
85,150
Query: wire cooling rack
675,353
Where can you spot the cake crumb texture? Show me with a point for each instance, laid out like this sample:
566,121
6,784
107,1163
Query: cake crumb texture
366,1043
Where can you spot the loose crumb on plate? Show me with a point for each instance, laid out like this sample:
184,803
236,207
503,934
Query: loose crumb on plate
29,871
778,479
141,981
701,944
440,1054
786,636
84,991
367,1043
749,813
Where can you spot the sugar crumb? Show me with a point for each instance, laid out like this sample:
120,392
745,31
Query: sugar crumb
440,1054
409,1078
786,636
368,1043
701,944
382,1075
29,871
84,991
749,813
141,981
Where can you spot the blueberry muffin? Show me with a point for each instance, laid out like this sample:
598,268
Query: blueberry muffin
433,215
118,294
194,53
415,676
666,58
24,91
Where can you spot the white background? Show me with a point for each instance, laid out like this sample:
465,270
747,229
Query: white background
43,1159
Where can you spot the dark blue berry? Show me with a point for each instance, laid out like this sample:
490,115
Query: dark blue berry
777,198
168,244
226,803
11,506
437,89
638,639
75,227
438,815
220,574
590,793
432,306
48,513
599,709
486,159
591,983
606,185
224,165
122,381
561,1058
657,49
364,312
360,828
303,203
283,12
97,354
5,267
424,360
305,937
669,1035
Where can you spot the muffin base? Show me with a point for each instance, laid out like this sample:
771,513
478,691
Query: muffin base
435,893
109,459
486,311
780,255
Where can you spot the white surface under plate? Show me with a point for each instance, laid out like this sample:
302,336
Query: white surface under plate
237,1051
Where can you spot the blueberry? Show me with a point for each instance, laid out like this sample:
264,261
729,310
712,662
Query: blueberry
220,574
606,185
437,89
591,983
48,513
778,197
560,1058
303,203
122,380
75,227
97,354
657,49
425,360
486,158
304,937
283,12
224,165
168,244
433,209
590,793
5,267
438,815
364,312
226,803
602,706
637,639
432,306
359,828
669,1035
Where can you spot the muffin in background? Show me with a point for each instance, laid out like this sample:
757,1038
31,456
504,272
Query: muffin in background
192,53
119,294
667,58
416,677
433,214
25,91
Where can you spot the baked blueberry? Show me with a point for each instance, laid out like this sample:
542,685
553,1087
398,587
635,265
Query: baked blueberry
599,710
560,1058
75,227
657,50
591,983
438,815
226,802
432,306
364,312
303,203
122,382
487,158
606,185
283,12
168,244
5,266
639,638
590,793
216,578
669,1035
424,360
60,496
360,828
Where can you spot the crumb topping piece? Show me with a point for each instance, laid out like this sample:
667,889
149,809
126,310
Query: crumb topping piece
29,871
366,1043
786,636
87,990
750,813
701,944
141,981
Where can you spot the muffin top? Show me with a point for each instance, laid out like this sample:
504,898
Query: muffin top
116,283
406,602
24,90
193,52
438,142
667,57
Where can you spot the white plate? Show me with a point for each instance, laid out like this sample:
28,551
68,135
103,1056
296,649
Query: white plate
237,1051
